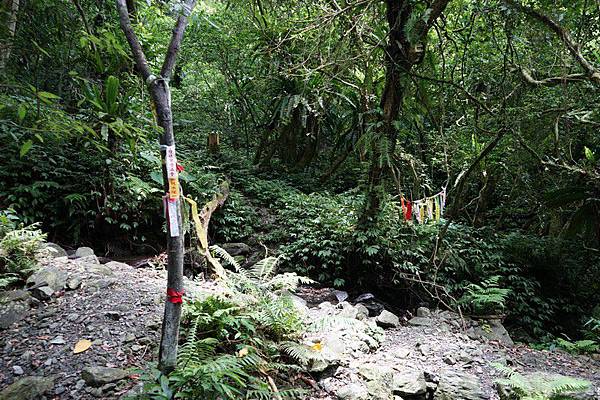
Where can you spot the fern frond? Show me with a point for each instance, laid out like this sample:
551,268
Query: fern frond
226,257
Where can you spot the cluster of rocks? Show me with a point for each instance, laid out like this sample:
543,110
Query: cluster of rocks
434,355
70,298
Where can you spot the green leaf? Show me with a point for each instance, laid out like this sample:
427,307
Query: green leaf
25,147
112,93
21,112
47,96
589,154
156,176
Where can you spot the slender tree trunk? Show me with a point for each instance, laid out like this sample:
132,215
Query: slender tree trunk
12,7
161,97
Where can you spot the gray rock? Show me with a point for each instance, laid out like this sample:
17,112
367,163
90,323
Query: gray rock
99,269
27,388
352,391
43,293
74,282
455,385
402,352
84,252
118,266
54,250
449,359
236,249
49,276
58,340
409,383
423,312
299,303
99,376
12,312
364,297
14,295
340,295
17,370
491,330
363,312
79,384
348,310
422,321
88,260
387,320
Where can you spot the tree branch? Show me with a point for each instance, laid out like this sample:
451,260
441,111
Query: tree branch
176,39
552,81
132,39
574,48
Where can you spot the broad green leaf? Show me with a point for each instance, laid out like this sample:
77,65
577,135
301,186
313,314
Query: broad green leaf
112,92
25,147
589,154
21,112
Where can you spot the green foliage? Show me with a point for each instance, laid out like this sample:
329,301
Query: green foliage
19,249
486,297
556,388
579,346
230,349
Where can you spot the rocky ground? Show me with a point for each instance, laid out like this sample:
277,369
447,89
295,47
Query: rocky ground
364,352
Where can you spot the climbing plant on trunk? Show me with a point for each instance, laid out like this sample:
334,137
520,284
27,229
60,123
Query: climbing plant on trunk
407,34
158,86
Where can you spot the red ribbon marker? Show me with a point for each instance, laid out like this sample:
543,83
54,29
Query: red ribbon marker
174,296
408,213
179,167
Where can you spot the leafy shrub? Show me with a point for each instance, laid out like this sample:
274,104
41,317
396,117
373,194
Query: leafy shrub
579,346
19,249
485,298
230,349
522,388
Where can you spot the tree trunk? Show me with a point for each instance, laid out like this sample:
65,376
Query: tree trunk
167,355
161,97
400,57
396,63
12,8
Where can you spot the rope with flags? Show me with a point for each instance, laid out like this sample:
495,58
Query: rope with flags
426,209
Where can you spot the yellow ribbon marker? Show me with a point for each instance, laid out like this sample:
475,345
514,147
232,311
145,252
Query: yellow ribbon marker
203,239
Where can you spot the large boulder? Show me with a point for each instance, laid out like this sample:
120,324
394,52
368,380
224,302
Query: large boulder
388,320
410,383
27,388
352,391
455,385
54,250
491,329
98,376
84,252
50,276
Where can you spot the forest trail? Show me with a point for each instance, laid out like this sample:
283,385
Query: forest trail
119,308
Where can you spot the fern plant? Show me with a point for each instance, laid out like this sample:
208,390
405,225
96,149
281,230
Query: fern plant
516,386
487,297
230,349
19,248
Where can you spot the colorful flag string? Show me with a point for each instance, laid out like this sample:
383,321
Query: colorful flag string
426,209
